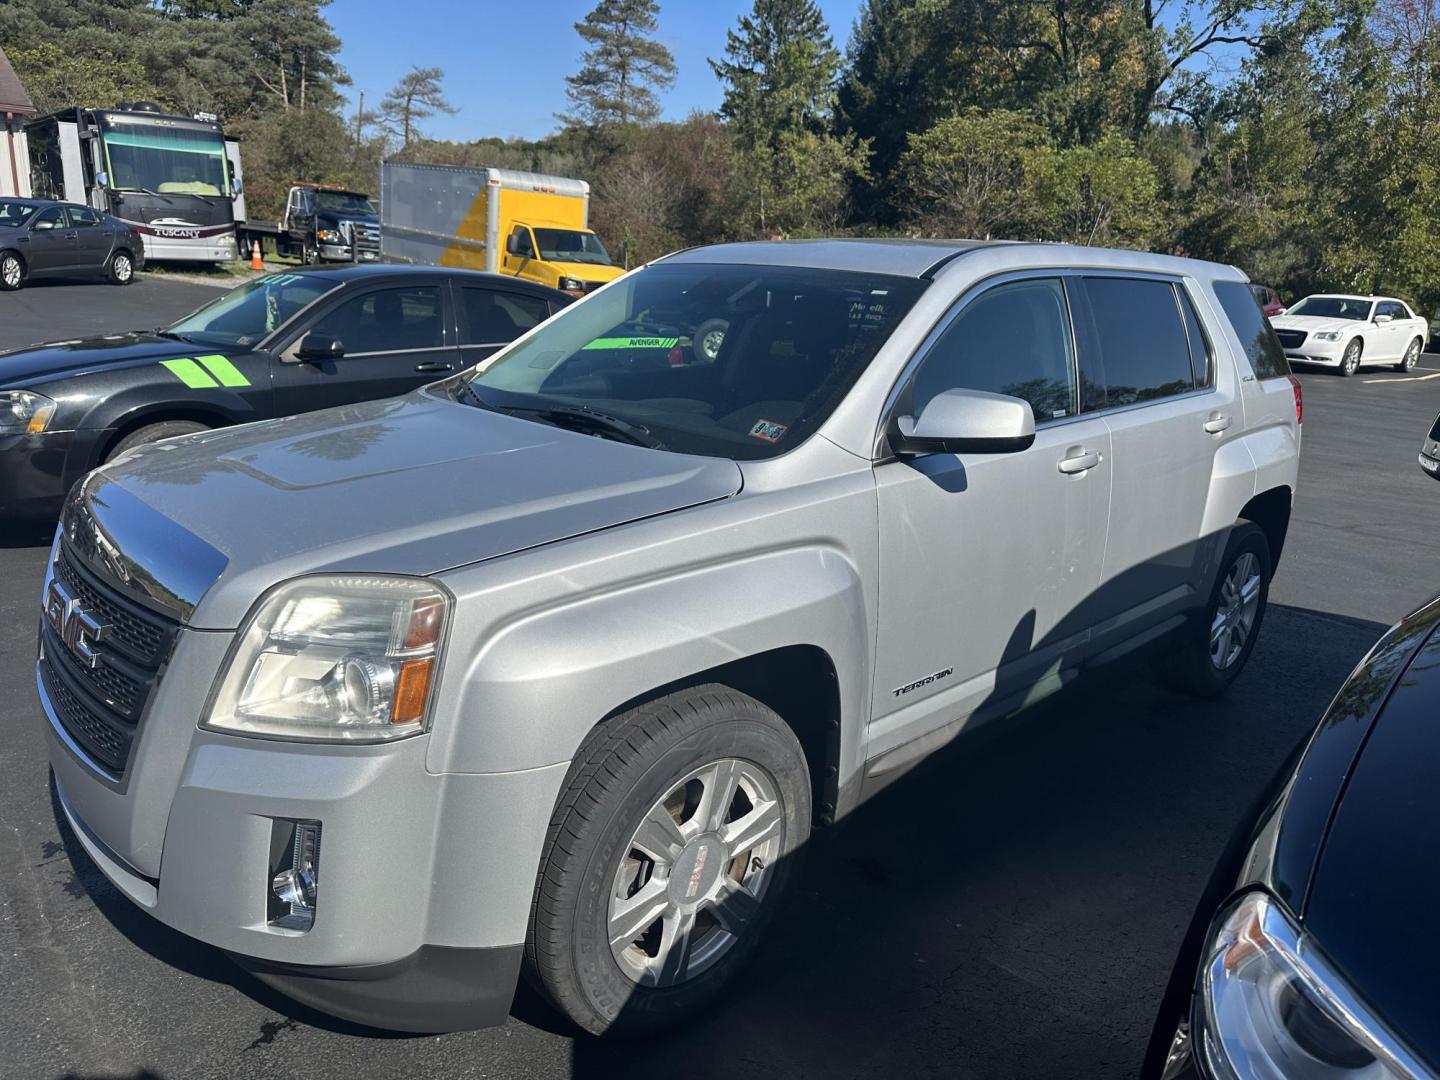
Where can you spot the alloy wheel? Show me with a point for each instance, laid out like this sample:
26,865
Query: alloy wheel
10,271
711,342
123,268
1412,356
694,874
1351,360
1234,616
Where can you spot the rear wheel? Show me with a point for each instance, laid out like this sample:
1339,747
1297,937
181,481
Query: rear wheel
1218,644
1350,360
165,429
673,843
121,270
1411,357
12,271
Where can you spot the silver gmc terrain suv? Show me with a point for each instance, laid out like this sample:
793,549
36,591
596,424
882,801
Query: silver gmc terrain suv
557,663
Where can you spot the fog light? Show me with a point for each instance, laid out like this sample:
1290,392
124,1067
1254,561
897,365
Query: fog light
295,868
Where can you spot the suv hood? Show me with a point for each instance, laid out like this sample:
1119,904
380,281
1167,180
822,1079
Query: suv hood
45,361
1372,896
412,485
1312,323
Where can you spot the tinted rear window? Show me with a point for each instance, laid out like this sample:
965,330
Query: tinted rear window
1144,350
1253,329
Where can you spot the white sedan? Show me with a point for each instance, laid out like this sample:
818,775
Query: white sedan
1347,331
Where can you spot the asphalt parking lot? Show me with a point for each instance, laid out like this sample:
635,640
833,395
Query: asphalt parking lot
1010,909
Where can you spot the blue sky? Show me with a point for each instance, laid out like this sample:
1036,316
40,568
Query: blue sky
505,62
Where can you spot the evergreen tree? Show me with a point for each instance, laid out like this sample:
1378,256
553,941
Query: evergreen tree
779,75
417,96
623,67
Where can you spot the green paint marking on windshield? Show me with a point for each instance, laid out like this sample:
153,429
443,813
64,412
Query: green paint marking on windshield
633,343
190,373
224,370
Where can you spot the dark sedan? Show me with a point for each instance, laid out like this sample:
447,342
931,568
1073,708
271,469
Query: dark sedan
280,344
1315,953
40,238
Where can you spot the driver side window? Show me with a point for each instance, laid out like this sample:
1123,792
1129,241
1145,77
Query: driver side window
1012,339
52,217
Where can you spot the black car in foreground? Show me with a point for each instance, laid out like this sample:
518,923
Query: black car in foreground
42,238
1315,952
280,344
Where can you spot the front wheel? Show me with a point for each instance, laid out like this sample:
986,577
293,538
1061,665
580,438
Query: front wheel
1411,357
1218,643
673,843
1350,360
122,268
165,429
12,271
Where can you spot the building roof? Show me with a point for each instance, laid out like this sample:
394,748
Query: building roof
13,97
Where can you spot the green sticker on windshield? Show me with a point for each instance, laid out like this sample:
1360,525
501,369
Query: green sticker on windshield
633,343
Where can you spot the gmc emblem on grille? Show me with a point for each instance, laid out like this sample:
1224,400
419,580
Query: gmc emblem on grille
76,627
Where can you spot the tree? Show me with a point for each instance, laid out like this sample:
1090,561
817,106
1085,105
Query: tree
623,67
417,96
779,77
1103,194
974,174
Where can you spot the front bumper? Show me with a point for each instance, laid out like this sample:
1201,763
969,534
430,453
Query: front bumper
425,879
1311,351
38,471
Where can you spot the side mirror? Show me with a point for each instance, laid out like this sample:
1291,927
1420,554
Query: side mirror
1381,320
317,348
236,187
512,244
103,179
40,226
966,421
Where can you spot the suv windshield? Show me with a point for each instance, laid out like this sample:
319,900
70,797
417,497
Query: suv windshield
570,245
15,213
253,311
1332,307
741,362
345,202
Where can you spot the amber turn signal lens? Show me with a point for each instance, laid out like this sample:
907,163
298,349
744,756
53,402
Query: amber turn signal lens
411,690
426,617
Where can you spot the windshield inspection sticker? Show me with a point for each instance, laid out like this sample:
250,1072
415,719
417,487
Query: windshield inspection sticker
633,343
768,430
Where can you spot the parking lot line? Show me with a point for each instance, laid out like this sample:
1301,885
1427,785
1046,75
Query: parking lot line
1408,378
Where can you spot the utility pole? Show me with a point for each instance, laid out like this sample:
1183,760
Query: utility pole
359,116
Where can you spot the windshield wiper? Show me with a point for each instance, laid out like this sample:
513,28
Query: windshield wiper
570,417
161,331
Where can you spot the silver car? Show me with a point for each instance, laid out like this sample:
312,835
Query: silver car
559,662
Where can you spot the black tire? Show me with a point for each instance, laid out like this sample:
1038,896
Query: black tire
12,271
707,340
627,766
121,269
165,429
1411,357
309,256
1191,668
1350,359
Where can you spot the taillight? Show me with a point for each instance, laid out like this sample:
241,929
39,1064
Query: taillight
1299,399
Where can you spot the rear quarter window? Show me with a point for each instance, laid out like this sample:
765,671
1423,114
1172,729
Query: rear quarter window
1267,357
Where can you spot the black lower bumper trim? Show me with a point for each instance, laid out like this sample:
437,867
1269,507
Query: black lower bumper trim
434,989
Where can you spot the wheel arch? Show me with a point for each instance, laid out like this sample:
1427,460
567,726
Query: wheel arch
1270,510
161,413
24,262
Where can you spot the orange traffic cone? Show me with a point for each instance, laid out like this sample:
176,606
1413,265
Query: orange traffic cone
255,261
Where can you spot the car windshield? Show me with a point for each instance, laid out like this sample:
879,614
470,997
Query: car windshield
245,315
1332,307
741,362
571,245
166,161
14,213
345,202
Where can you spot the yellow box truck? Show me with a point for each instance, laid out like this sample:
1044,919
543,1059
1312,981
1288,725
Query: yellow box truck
501,220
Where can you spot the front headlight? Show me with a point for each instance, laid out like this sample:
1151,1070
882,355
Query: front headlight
1328,335
570,284
341,658
1270,1006
330,236
23,412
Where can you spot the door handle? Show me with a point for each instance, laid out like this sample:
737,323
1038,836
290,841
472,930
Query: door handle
1079,460
1216,422
432,365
